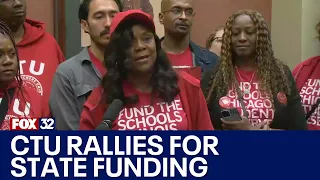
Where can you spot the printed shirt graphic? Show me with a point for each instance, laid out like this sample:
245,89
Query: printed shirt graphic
310,93
39,56
38,77
25,103
18,109
144,116
258,105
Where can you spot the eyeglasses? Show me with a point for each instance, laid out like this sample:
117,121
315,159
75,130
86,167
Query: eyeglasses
178,12
217,40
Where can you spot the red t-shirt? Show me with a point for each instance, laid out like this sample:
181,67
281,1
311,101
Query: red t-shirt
98,64
181,61
258,105
310,93
144,116
184,62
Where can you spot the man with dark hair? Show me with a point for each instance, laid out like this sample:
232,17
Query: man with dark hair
144,5
78,76
39,52
176,16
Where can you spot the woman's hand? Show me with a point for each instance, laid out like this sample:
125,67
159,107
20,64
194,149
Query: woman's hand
243,124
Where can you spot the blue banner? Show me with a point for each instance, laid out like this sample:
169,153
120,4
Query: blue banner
160,154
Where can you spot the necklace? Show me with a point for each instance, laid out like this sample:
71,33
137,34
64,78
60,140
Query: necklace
246,87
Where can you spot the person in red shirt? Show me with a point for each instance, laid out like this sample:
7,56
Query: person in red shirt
250,79
16,99
177,16
307,76
39,53
140,75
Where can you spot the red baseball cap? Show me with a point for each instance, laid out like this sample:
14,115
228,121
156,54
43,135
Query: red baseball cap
131,14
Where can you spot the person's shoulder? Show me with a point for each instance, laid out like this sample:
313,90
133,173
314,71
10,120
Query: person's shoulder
285,67
48,41
312,60
188,79
211,58
71,64
208,52
49,38
307,63
288,72
67,67
205,51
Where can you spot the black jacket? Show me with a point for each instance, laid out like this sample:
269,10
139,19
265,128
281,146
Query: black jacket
286,117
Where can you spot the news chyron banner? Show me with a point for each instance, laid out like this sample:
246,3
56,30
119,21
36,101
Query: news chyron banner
35,150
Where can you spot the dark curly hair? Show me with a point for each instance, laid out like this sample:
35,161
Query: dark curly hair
271,72
164,79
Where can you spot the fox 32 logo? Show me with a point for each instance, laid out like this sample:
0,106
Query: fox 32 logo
32,124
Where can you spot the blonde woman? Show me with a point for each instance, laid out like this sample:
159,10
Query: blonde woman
214,41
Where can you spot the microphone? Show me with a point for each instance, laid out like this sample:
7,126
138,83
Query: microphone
110,115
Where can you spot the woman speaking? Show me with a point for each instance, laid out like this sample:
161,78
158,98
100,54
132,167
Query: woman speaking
251,81
139,74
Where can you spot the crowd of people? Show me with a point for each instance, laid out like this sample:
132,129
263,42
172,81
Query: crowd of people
165,83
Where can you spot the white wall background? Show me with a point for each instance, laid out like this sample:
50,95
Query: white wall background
293,30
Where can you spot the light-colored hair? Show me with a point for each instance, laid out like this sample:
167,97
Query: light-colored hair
212,36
